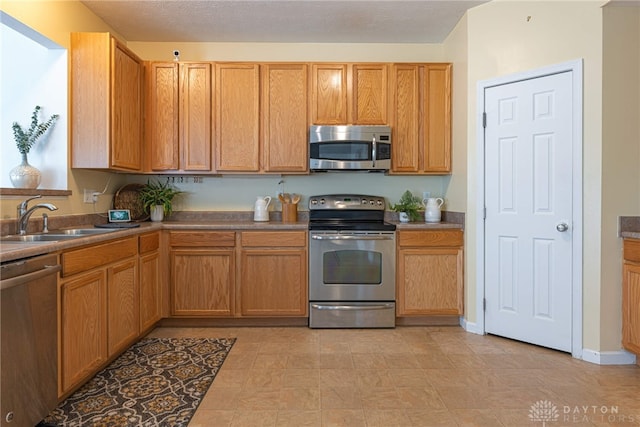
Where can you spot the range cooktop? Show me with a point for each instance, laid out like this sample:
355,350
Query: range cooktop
342,212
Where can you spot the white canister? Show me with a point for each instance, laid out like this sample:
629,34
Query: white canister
432,211
261,208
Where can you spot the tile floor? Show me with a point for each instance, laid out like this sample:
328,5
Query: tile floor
408,376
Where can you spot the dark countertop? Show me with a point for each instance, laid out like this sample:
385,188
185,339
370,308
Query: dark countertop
629,227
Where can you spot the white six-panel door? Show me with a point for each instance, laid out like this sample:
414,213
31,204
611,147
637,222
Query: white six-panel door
528,201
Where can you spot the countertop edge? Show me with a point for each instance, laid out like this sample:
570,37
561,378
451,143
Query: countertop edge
630,234
13,251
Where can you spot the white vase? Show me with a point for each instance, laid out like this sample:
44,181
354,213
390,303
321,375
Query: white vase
403,217
24,175
157,213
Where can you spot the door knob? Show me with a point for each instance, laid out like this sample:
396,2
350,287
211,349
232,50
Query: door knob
562,227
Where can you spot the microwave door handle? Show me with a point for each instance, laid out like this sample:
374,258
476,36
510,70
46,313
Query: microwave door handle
373,151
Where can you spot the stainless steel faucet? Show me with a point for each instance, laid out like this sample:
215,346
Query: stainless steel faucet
24,212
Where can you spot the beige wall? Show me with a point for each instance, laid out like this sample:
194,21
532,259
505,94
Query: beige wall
456,51
620,153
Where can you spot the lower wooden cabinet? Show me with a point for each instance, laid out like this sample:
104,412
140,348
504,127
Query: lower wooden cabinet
244,274
202,273
273,273
631,296
98,307
83,304
429,272
123,323
150,280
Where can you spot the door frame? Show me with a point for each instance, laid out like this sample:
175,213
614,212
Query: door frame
576,68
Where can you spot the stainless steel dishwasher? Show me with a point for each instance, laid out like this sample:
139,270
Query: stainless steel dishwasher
29,355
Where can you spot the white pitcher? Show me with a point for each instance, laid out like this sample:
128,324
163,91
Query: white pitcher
432,211
261,208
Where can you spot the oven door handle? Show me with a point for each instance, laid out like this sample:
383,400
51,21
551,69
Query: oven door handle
351,237
384,306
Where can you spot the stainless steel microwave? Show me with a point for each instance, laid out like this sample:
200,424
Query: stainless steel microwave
349,148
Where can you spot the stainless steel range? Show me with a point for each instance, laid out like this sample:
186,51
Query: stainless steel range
352,263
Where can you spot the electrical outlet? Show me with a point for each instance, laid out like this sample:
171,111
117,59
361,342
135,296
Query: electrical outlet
90,196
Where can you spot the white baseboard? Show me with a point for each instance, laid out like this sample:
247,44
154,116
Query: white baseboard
470,326
620,357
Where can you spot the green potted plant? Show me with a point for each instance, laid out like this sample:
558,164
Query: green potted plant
408,207
24,175
157,199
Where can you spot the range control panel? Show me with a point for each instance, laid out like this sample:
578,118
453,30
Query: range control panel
346,201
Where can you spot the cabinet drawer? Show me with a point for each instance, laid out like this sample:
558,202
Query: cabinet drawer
205,238
149,242
632,250
274,239
88,258
430,238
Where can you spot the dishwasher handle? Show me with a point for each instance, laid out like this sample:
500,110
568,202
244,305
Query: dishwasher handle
26,278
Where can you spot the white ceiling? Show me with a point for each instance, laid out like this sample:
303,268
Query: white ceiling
278,21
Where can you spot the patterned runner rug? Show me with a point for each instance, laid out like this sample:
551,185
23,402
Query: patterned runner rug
157,382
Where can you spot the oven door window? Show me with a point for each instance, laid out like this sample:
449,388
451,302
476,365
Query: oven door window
341,151
357,267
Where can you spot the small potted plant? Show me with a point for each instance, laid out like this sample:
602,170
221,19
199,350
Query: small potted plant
408,207
24,175
157,199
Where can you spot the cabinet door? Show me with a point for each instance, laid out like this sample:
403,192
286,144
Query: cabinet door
406,123
126,109
328,94
195,116
150,293
421,118
106,104
430,281
437,152
285,118
83,308
237,124
202,282
369,94
273,282
161,119
123,305
631,307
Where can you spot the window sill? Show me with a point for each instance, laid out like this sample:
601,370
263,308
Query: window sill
33,192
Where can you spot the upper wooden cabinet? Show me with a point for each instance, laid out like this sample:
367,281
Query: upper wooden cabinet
421,118
106,104
349,94
237,117
369,94
178,117
285,119
329,94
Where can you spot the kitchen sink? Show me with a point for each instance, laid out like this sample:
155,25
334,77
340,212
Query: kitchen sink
68,234
83,231
32,238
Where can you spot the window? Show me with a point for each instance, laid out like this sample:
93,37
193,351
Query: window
33,71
